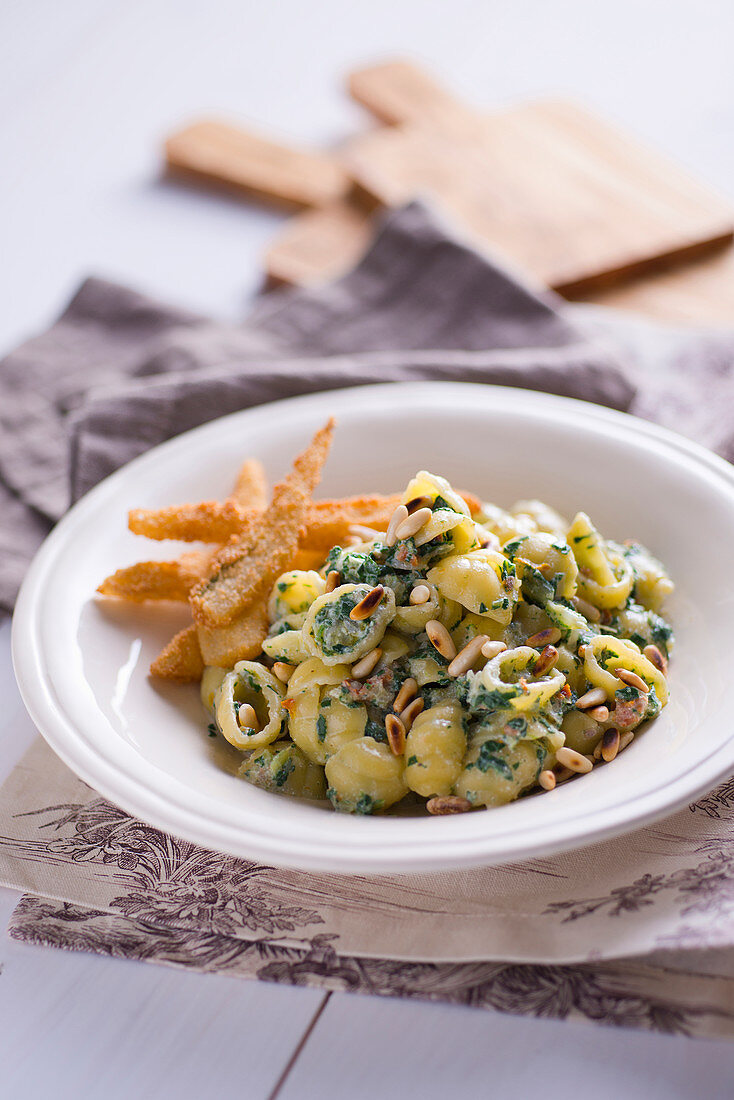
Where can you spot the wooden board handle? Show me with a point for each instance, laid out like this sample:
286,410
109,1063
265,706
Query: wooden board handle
399,92
228,156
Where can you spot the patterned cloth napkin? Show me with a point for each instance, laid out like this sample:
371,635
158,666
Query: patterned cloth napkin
118,374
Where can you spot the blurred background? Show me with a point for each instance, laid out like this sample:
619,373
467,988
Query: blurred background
90,88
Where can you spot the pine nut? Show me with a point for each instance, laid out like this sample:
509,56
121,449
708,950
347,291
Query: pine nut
333,580
491,649
399,516
283,671
626,739
449,804
599,714
549,636
466,657
632,679
440,639
420,594
407,692
593,698
656,657
418,502
364,667
569,758
247,718
547,659
586,609
368,605
395,734
610,744
411,712
412,525
547,780
564,774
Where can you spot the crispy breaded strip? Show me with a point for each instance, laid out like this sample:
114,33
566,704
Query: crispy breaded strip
473,502
251,487
240,640
209,521
181,659
157,580
307,559
329,520
249,565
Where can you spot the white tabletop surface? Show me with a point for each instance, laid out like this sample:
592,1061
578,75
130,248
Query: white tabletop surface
87,90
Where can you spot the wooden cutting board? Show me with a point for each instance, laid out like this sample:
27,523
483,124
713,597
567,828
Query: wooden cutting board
554,190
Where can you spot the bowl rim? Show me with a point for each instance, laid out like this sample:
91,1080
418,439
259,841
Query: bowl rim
451,849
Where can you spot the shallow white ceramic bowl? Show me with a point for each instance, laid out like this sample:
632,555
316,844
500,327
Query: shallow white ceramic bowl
82,665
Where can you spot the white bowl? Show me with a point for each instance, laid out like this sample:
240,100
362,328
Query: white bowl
82,664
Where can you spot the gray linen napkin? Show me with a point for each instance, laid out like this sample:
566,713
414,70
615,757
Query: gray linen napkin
119,373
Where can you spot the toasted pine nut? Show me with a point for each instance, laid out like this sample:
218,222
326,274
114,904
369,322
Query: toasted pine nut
412,525
399,515
247,718
632,679
368,605
466,657
333,580
657,658
491,649
549,636
564,774
395,734
418,502
597,752
411,712
406,693
599,714
610,744
440,639
586,609
420,594
593,698
547,780
364,667
283,671
547,659
626,739
448,804
569,758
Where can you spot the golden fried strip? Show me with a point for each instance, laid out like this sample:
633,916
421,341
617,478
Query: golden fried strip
157,580
251,487
209,521
181,659
329,520
249,565
307,559
240,640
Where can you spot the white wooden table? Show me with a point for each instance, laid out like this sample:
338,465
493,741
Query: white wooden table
87,89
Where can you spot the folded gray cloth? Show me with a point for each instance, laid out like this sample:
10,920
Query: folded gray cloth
119,373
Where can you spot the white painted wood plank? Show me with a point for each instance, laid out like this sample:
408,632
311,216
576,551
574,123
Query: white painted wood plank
81,1025
367,1047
